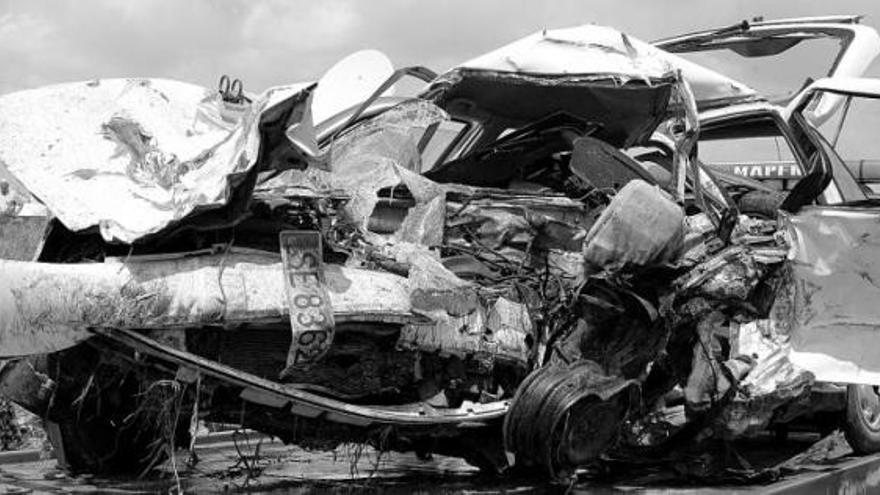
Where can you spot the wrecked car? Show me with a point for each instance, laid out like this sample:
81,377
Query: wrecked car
481,271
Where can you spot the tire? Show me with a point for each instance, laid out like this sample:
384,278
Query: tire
761,204
564,417
861,424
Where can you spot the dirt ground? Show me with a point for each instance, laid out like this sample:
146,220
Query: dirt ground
257,464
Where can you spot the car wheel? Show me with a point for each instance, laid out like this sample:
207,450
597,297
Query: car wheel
862,421
563,417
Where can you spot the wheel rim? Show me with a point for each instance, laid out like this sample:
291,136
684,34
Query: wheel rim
585,427
565,416
869,406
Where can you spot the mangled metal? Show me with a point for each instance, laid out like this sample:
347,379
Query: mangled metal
136,156
47,307
537,289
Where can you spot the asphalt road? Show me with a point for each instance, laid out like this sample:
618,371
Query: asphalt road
258,465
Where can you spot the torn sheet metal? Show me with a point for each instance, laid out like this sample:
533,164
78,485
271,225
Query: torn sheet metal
773,382
379,156
495,225
834,310
48,307
383,153
594,73
603,51
588,49
623,114
457,321
526,231
706,384
434,290
135,156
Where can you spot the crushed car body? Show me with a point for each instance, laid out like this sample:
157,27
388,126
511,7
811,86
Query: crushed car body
480,271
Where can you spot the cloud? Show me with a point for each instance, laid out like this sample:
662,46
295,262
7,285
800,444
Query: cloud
18,57
269,42
272,24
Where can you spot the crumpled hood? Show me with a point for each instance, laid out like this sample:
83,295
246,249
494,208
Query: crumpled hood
594,73
589,49
130,156
604,51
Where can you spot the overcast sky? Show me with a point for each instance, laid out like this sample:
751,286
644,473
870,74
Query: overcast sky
269,42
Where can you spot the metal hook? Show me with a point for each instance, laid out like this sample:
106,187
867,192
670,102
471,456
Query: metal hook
236,91
223,86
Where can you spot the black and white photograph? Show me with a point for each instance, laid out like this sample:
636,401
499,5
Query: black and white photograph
440,247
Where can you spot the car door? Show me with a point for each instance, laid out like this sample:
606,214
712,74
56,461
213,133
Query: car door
834,278
851,131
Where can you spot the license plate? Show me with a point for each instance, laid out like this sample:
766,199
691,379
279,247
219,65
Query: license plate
311,317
